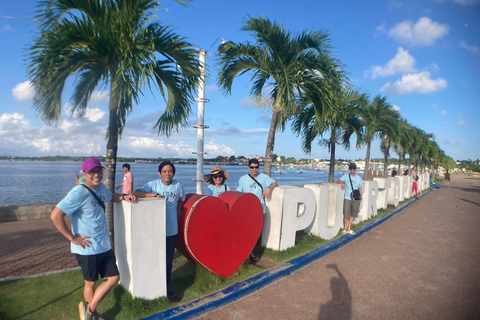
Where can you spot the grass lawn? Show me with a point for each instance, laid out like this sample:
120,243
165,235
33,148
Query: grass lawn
57,296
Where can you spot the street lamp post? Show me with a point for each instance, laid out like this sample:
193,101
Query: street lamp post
200,126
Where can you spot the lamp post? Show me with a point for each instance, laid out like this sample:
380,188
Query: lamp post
200,126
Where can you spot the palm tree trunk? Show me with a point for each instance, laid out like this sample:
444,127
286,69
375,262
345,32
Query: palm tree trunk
399,171
385,162
331,170
267,169
111,158
367,162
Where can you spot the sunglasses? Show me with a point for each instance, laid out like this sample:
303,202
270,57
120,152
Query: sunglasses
216,177
251,167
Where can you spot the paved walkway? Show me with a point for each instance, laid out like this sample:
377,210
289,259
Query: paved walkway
423,263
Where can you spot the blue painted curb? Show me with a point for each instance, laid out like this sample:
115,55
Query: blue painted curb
223,297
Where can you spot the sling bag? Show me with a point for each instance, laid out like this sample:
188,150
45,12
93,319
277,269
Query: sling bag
256,182
100,202
355,195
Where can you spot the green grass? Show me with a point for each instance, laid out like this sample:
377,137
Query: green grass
57,296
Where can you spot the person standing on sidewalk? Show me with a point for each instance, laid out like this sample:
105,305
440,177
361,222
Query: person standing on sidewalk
260,185
127,183
414,176
172,191
90,243
350,205
447,178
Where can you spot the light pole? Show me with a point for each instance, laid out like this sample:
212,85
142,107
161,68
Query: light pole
200,126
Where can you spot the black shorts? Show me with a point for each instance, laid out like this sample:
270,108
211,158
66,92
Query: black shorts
104,264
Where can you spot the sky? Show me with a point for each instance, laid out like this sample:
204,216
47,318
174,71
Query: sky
423,55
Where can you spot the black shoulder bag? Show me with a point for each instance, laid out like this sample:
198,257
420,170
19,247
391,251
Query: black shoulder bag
256,182
100,202
355,195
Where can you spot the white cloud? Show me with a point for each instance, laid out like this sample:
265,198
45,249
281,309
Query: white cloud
421,34
415,83
380,30
7,28
23,91
223,101
403,62
215,149
462,122
473,49
94,114
395,107
211,88
99,97
434,66
444,112
247,103
462,2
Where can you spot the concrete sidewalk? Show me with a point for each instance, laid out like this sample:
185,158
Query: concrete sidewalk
423,263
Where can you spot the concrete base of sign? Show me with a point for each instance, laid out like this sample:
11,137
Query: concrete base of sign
140,247
393,197
383,186
329,210
289,210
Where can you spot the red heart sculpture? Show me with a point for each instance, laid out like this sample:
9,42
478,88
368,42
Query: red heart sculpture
219,233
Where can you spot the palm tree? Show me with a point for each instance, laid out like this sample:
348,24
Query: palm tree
379,119
114,43
403,140
342,123
386,142
285,65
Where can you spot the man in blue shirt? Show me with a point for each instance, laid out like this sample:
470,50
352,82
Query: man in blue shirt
350,205
261,189
90,244
260,185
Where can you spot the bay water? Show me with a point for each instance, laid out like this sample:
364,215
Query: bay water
30,182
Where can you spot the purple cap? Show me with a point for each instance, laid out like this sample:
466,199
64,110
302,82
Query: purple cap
90,164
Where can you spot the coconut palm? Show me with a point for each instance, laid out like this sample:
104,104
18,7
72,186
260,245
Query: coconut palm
341,124
283,64
111,43
403,140
379,119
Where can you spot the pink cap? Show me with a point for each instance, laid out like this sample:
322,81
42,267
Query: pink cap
90,164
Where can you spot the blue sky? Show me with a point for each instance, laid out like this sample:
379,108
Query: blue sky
424,55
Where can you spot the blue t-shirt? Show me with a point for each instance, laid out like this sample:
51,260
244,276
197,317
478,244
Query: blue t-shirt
356,182
172,194
248,185
88,218
214,191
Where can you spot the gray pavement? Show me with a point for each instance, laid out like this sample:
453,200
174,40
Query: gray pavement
423,263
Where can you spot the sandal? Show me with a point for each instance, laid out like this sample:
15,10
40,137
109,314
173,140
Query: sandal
344,232
351,232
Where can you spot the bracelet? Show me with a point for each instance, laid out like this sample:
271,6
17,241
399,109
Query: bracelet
123,197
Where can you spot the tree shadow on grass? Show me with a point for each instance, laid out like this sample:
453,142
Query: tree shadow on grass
46,304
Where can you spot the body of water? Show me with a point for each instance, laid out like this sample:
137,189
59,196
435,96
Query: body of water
29,182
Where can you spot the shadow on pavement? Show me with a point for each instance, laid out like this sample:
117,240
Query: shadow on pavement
340,307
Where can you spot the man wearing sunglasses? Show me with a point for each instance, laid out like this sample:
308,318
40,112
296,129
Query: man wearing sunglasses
261,185
89,240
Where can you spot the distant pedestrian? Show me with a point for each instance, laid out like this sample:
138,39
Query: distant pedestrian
127,183
172,191
351,207
447,178
394,172
216,178
260,185
413,174
90,243
78,179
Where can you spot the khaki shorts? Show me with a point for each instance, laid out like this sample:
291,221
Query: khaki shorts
351,208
